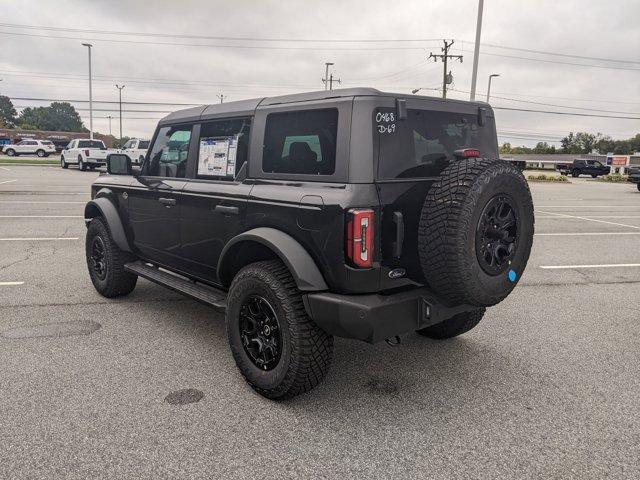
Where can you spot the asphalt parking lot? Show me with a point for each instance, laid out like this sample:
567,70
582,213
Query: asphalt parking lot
546,386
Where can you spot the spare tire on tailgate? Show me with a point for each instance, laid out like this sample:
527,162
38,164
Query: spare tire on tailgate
476,231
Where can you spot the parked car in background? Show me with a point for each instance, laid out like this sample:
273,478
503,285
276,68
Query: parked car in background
135,149
85,153
41,148
634,175
583,167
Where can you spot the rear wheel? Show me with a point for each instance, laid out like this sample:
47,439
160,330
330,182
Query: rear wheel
81,165
454,326
278,349
106,262
40,153
475,231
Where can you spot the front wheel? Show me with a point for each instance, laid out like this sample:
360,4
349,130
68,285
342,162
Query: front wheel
638,185
106,262
11,152
278,349
593,175
575,174
63,163
454,326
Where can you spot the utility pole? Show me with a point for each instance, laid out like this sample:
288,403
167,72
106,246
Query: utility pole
325,80
446,78
476,51
120,103
88,45
109,117
222,96
331,81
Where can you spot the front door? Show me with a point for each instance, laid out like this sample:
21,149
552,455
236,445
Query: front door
154,201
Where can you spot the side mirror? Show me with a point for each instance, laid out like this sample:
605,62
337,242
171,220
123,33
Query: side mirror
118,164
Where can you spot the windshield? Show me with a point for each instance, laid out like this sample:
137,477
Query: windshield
91,144
424,143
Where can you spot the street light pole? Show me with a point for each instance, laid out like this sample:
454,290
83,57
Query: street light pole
120,103
88,45
489,86
109,117
476,50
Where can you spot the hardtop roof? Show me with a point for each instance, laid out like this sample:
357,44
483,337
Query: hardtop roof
247,107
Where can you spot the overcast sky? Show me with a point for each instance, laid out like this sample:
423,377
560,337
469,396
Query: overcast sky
164,68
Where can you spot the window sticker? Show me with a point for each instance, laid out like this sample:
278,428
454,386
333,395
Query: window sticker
218,156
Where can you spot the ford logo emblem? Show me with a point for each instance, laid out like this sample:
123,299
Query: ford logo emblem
397,273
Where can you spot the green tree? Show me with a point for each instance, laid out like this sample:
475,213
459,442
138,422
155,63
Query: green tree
118,144
7,112
505,148
59,116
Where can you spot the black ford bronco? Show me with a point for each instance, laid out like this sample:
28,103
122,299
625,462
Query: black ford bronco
355,213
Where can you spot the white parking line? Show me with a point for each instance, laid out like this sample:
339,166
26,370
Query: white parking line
36,239
580,234
10,284
609,265
41,216
564,215
5,169
8,181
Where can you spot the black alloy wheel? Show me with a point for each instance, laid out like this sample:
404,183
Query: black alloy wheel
98,258
497,235
260,332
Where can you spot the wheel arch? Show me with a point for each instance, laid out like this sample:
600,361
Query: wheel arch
103,207
265,243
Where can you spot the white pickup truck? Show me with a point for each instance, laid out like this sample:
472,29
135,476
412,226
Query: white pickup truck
135,149
85,153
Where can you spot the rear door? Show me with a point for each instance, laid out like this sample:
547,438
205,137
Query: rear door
410,155
155,197
214,199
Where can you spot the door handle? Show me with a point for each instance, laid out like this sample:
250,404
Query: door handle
227,210
169,202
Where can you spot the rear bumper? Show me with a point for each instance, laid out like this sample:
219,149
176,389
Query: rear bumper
375,317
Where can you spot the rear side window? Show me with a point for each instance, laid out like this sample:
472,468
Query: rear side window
169,153
302,142
424,143
223,148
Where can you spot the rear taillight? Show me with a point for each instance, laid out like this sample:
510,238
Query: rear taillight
359,247
86,153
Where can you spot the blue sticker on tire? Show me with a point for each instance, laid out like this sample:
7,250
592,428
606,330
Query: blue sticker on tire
512,275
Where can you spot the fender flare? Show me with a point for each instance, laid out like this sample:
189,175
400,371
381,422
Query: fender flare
303,268
103,207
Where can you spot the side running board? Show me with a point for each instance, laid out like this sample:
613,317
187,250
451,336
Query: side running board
208,295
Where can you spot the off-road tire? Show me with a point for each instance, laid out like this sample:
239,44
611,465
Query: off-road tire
11,152
41,153
447,230
454,326
63,163
306,351
117,282
81,165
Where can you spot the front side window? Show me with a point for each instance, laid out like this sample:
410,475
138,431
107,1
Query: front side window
129,144
423,144
144,144
302,142
169,153
223,148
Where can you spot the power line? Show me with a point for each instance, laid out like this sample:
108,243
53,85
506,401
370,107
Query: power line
298,39
28,99
575,114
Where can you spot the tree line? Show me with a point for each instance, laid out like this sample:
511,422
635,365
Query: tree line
59,116
580,142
